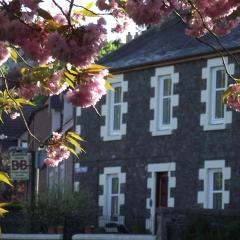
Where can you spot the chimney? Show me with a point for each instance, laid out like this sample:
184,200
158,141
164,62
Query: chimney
129,37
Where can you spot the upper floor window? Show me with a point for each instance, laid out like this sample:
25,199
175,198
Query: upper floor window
219,84
115,105
216,115
163,101
114,109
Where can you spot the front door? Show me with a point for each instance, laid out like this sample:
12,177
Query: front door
161,189
161,192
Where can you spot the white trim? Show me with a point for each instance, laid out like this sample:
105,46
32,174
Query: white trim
105,132
103,199
207,98
151,184
77,125
154,101
202,197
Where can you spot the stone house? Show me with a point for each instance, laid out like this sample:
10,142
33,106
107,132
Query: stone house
165,139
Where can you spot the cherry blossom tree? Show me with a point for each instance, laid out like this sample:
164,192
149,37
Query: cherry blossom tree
63,45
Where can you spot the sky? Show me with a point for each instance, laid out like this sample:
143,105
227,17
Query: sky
47,4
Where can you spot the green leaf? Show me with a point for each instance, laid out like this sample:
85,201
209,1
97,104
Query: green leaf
226,94
70,76
24,101
74,135
73,142
2,211
69,82
85,12
13,53
108,86
72,151
5,178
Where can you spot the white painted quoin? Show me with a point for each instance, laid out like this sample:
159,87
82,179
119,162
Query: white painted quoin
163,84
209,119
205,197
153,169
105,200
78,126
115,107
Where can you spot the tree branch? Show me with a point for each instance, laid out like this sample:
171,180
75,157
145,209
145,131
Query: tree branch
18,108
209,45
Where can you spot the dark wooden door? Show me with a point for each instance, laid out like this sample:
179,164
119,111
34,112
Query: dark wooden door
161,189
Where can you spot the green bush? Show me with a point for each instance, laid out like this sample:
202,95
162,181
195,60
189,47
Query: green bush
53,208
201,228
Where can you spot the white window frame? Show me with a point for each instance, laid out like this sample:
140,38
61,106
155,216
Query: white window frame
203,196
112,104
214,90
107,132
207,96
211,191
156,128
161,98
110,195
103,198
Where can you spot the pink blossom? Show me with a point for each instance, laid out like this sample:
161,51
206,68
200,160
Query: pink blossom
89,92
4,53
80,51
54,85
148,11
28,90
56,151
233,100
14,115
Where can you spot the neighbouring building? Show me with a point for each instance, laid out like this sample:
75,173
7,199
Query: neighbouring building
165,139
56,115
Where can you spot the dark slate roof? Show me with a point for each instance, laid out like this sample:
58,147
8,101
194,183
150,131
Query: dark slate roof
164,43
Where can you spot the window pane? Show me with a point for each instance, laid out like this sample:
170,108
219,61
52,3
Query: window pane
219,107
167,87
114,185
220,81
166,111
217,200
217,181
114,206
117,94
117,117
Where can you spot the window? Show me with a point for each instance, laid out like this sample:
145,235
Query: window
114,109
164,101
115,116
219,82
113,197
215,116
165,108
216,185
213,195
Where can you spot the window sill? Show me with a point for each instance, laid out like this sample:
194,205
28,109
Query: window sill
162,132
112,137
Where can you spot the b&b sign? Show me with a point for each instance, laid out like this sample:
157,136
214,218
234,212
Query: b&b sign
19,165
